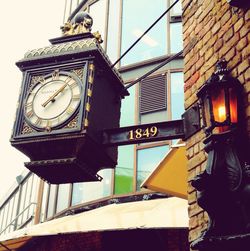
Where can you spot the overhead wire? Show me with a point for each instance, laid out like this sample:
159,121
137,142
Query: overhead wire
149,28
169,59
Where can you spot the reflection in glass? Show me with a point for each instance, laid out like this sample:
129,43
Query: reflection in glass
62,197
88,191
177,9
51,205
147,161
128,109
176,37
177,95
152,117
1,218
135,22
124,172
98,12
113,30
44,202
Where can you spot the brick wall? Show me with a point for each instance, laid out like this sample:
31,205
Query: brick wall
217,31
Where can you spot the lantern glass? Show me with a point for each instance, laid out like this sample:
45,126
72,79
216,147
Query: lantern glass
219,105
206,112
233,105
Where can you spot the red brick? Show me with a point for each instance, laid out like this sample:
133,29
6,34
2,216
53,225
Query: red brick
243,66
235,61
209,53
216,27
246,52
230,54
245,30
238,25
225,17
247,15
247,74
218,45
224,28
228,34
207,37
199,63
233,41
192,81
242,44
193,222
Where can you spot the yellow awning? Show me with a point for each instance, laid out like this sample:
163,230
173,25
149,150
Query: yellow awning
158,213
170,176
14,244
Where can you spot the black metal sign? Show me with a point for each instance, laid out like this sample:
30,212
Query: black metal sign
175,129
144,133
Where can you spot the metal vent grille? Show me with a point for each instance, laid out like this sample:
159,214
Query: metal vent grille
153,94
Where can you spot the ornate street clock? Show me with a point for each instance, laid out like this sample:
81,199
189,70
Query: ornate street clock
69,95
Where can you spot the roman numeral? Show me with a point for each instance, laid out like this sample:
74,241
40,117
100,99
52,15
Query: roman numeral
38,121
76,97
67,80
29,114
73,85
41,80
55,75
70,110
28,105
49,123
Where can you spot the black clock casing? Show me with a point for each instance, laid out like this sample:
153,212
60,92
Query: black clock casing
64,144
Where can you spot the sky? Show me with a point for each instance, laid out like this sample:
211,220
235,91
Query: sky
25,25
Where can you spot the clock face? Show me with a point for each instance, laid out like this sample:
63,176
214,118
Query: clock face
53,100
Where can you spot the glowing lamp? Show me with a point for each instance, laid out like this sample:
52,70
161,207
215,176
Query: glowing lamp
219,101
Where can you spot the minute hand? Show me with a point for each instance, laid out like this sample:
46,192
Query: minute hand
54,95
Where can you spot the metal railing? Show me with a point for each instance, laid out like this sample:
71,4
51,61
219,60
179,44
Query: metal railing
14,222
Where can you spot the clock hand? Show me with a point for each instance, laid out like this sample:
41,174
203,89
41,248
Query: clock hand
54,95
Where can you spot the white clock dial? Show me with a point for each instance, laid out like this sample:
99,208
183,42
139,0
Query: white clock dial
53,100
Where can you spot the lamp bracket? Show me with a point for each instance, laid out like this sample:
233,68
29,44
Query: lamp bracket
191,120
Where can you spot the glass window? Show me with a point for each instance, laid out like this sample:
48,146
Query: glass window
11,204
147,161
88,191
98,12
128,109
51,204
124,171
177,9
152,117
2,218
176,37
113,30
15,206
62,197
35,186
22,203
28,197
135,21
44,202
6,211
177,95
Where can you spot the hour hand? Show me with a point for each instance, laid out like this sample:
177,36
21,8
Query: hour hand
52,98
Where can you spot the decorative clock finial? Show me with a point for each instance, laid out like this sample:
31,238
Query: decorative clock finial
82,23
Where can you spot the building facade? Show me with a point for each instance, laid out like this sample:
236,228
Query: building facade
159,97
219,31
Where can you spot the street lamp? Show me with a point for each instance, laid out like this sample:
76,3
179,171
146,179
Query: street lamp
219,98
223,189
